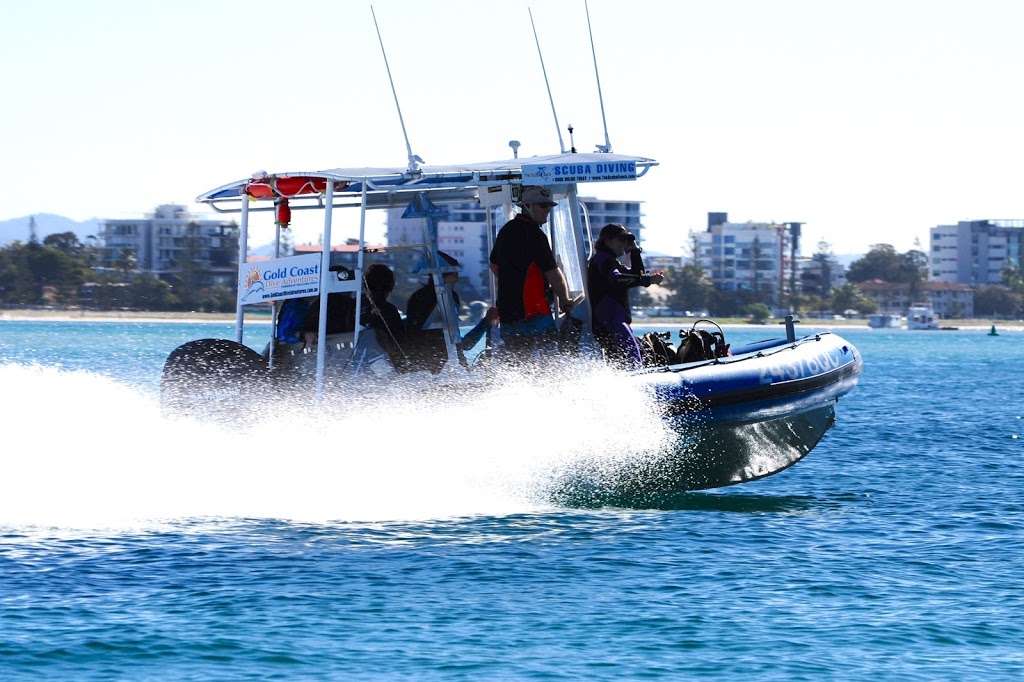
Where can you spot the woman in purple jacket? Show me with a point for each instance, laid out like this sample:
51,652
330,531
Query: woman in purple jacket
608,283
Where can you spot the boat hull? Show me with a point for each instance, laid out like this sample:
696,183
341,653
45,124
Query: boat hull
732,420
700,458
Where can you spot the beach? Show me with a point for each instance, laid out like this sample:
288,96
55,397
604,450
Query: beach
64,315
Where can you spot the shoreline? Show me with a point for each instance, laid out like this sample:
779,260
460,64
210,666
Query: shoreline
121,316
195,317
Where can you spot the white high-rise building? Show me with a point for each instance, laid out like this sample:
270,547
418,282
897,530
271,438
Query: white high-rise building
974,252
162,240
746,256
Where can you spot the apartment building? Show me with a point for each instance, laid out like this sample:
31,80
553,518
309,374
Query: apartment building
946,299
158,243
974,252
748,256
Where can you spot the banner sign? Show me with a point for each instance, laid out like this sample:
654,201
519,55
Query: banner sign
584,171
279,278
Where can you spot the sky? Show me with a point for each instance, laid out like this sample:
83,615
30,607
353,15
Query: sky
868,121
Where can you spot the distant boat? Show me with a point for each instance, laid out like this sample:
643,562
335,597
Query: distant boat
884,321
921,317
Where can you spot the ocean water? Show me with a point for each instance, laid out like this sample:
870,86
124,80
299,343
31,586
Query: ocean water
409,539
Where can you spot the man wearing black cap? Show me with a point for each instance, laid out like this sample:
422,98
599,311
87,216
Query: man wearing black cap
526,271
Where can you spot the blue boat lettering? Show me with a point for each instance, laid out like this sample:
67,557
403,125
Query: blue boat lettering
573,169
303,272
617,167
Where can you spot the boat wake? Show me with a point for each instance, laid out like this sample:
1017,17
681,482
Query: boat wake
99,453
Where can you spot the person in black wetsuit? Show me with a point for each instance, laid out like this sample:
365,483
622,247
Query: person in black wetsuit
608,284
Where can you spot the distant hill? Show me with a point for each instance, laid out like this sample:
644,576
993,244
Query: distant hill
16,229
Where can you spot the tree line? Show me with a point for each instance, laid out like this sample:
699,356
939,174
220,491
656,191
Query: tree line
689,287
61,271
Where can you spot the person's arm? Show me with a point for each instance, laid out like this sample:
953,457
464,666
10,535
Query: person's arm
637,263
626,278
556,279
472,337
632,276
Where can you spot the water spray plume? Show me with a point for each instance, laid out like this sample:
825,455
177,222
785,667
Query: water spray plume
101,454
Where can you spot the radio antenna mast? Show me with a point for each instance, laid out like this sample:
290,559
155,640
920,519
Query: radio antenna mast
607,146
414,160
558,130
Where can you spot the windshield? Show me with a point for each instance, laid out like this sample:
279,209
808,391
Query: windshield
565,243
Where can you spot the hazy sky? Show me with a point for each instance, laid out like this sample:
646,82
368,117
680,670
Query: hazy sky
869,121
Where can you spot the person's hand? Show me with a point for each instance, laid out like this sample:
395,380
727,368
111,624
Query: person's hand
657,278
571,303
491,315
309,338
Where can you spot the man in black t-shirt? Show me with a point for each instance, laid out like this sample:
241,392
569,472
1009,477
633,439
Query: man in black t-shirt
525,267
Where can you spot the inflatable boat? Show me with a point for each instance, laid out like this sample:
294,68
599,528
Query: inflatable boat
737,414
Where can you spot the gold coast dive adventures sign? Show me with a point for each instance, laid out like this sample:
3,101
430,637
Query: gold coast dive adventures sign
279,278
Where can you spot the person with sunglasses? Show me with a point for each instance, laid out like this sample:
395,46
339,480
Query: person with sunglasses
529,281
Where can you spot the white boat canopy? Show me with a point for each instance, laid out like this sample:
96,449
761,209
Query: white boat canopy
494,183
391,186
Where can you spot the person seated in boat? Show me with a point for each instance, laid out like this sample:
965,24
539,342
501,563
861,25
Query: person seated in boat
292,314
341,314
608,284
382,316
425,326
528,280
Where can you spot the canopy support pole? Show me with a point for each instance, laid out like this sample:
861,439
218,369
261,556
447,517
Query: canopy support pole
243,249
325,269
359,263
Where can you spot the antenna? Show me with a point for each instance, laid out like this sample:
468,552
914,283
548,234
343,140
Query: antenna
561,145
414,160
607,146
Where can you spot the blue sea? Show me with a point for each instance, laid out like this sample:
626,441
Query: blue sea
410,539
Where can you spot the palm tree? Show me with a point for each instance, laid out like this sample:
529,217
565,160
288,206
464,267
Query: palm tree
126,262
